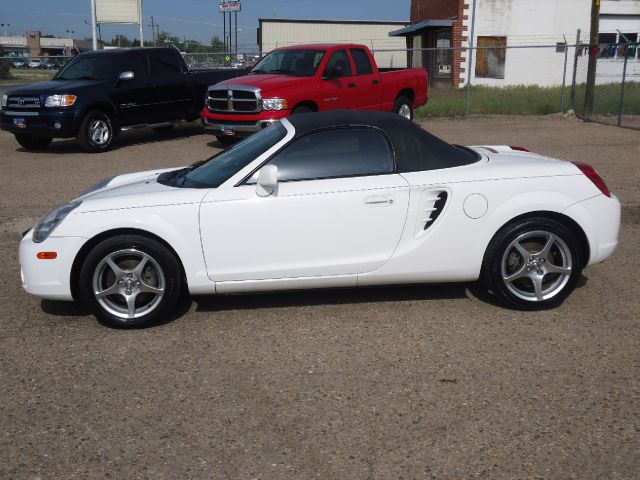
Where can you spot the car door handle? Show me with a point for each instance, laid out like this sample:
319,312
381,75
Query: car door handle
351,85
375,82
379,201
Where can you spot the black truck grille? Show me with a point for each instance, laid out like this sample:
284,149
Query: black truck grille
23,103
234,101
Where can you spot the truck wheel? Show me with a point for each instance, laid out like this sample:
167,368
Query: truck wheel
31,142
404,108
301,109
225,140
96,132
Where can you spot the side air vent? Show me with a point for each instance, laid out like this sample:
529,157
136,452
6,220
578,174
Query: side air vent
432,203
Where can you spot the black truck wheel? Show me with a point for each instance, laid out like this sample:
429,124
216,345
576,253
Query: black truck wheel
31,142
96,132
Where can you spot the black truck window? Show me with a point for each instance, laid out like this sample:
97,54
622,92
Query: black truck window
164,62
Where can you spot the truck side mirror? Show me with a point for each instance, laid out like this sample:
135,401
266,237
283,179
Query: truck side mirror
267,181
128,75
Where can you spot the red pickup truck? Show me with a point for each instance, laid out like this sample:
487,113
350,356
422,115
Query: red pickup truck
309,78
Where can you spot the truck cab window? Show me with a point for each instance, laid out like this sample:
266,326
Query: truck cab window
164,62
361,59
339,59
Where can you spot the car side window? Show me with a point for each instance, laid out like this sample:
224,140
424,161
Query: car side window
138,63
361,59
339,59
164,62
335,153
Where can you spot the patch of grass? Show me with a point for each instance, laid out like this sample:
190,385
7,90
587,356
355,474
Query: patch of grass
527,100
19,75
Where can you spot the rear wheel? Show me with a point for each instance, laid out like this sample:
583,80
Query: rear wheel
31,142
130,281
96,132
533,264
404,108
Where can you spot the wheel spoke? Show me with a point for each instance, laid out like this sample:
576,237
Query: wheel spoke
537,285
522,272
524,253
140,267
119,272
149,289
544,253
551,268
112,290
131,304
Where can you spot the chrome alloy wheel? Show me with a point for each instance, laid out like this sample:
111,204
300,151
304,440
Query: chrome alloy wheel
405,111
128,283
99,132
536,266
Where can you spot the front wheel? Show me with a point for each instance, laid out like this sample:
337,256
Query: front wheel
533,264
226,140
404,108
96,132
31,142
130,281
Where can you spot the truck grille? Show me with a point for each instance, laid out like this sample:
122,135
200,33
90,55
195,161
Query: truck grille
23,103
234,100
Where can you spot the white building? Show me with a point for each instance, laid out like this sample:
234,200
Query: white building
278,32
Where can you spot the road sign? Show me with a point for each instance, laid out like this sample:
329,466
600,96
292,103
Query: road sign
227,58
230,6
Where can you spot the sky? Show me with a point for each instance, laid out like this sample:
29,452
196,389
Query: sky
193,19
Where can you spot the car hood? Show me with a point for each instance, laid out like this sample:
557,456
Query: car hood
54,86
137,190
267,82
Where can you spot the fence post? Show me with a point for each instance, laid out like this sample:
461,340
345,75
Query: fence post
470,56
564,73
575,68
624,78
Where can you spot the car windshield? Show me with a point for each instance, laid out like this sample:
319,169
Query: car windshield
219,168
303,63
98,67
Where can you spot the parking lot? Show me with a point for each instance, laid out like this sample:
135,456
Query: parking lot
432,382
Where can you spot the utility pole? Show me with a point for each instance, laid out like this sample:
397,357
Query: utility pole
593,58
94,33
153,26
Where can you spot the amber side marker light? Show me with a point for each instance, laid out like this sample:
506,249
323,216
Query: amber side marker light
47,255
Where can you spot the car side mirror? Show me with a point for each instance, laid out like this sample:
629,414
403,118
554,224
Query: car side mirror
333,72
267,181
128,75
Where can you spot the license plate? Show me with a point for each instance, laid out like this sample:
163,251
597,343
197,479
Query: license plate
228,132
20,122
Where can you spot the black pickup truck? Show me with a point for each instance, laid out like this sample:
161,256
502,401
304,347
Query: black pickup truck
100,93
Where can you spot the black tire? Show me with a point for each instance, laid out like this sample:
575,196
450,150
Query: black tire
164,130
96,132
301,109
226,140
160,270
403,107
512,273
31,142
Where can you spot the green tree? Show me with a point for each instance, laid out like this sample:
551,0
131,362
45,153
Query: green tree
217,45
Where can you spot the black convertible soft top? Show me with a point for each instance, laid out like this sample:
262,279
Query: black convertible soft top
415,149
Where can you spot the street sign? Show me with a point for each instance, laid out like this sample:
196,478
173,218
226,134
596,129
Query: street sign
230,6
227,58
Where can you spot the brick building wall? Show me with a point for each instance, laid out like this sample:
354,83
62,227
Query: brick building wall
433,9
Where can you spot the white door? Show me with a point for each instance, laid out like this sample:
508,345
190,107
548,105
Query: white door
311,225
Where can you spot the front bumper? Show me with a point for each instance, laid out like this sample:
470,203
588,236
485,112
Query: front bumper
240,125
49,279
43,122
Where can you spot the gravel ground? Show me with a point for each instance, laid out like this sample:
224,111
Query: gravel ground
402,382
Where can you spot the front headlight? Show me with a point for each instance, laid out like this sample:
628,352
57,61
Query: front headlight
274,104
4,101
49,223
101,184
60,100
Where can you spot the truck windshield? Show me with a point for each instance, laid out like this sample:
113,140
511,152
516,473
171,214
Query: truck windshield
219,168
302,63
98,67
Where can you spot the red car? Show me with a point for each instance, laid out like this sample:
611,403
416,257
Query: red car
309,78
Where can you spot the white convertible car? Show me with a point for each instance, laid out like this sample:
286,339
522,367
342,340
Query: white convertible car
337,199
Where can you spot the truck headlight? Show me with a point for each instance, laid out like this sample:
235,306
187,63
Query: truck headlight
60,100
274,104
3,103
49,223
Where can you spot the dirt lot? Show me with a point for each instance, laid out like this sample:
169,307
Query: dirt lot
404,382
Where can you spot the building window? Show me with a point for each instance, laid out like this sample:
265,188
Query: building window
490,57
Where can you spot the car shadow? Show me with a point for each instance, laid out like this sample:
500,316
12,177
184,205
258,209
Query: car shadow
337,296
143,136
